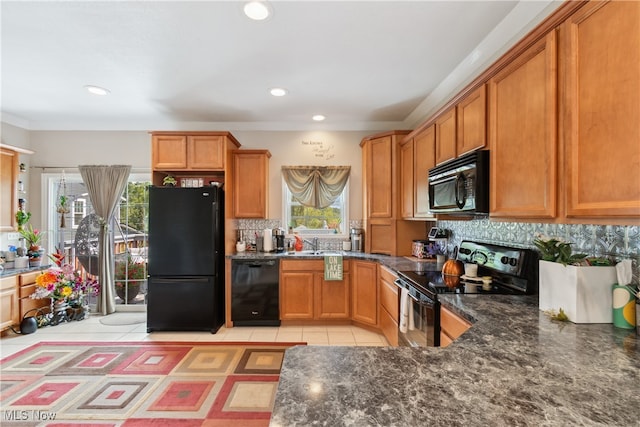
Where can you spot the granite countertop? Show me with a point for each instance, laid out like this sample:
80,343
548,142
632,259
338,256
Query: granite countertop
513,367
14,271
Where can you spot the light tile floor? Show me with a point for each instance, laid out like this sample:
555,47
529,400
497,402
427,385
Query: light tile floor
91,329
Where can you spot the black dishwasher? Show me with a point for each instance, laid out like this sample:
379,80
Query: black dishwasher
255,292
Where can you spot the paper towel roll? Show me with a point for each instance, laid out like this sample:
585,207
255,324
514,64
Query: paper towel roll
268,241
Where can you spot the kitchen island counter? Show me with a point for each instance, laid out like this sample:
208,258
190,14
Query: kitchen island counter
514,366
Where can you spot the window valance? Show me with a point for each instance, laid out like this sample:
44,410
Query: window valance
316,186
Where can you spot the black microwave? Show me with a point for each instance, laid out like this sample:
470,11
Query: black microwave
461,186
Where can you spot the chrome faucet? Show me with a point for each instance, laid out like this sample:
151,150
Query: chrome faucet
314,243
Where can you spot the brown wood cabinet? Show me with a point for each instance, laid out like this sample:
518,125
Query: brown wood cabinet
522,134
8,189
471,121
451,326
9,314
385,232
446,136
191,154
389,305
27,286
365,292
417,156
601,110
251,183
305,295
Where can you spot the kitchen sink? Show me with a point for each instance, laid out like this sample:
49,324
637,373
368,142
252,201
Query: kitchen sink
315,253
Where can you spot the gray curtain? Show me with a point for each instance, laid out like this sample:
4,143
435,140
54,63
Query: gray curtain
105,185
316,186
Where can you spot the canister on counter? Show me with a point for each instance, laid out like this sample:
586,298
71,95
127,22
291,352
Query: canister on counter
419,248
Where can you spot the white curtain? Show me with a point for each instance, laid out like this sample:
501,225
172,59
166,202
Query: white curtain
316,186
105,185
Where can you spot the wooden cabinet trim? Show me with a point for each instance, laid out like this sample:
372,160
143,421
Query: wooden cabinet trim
452,324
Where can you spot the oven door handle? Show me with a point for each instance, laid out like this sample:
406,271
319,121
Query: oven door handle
400,284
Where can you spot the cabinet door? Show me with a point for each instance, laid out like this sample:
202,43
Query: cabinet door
8,302
169,152
205,152
406,179
379,178
365,292
452,325
602,133
380,237
250,189
332,297
446,136
8,183
424,159
472,125
296,295
522,134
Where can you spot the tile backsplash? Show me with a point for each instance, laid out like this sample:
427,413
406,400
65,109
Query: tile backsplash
612,241
249,228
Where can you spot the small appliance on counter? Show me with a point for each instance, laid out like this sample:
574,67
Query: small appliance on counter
357,243
279,235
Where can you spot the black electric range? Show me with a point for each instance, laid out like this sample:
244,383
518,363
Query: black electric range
512,271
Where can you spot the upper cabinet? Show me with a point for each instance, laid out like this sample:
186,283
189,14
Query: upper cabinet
472,122
379,158
522,134
417,156
185,154
8,186
601,103
250,183
446,136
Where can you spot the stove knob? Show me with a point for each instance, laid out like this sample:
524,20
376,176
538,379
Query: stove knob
513,262
504,260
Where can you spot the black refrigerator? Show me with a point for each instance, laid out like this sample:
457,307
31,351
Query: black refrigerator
186,259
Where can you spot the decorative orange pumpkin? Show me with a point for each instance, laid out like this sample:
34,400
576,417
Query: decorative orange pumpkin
451,272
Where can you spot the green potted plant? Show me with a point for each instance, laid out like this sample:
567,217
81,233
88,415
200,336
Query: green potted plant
129,277
33,238
169,181
22,218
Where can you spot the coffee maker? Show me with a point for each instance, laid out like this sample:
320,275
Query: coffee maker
279,233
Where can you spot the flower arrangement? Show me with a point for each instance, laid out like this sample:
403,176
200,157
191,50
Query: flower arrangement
65,284
555,249
436,248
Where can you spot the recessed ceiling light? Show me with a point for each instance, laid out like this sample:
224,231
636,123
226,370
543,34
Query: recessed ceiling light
318,117
96,90
257,10
278,91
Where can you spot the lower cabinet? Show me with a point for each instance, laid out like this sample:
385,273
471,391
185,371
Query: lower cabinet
389,305
451,326
27,283
305,295
9,314
365,292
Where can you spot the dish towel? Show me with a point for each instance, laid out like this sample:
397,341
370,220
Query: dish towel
405,306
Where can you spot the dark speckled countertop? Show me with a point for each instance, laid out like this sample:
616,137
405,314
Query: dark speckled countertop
513,367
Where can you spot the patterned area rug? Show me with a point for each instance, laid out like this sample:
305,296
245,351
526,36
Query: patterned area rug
127,384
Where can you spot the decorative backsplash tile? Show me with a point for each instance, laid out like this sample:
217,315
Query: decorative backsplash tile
612,241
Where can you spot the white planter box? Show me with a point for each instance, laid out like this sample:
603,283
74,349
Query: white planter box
583,293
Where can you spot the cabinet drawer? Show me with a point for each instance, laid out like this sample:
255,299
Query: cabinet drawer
29,278
451,324
26,291
308,265
389,298
389,327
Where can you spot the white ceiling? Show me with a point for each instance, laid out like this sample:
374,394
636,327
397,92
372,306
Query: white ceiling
365,65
